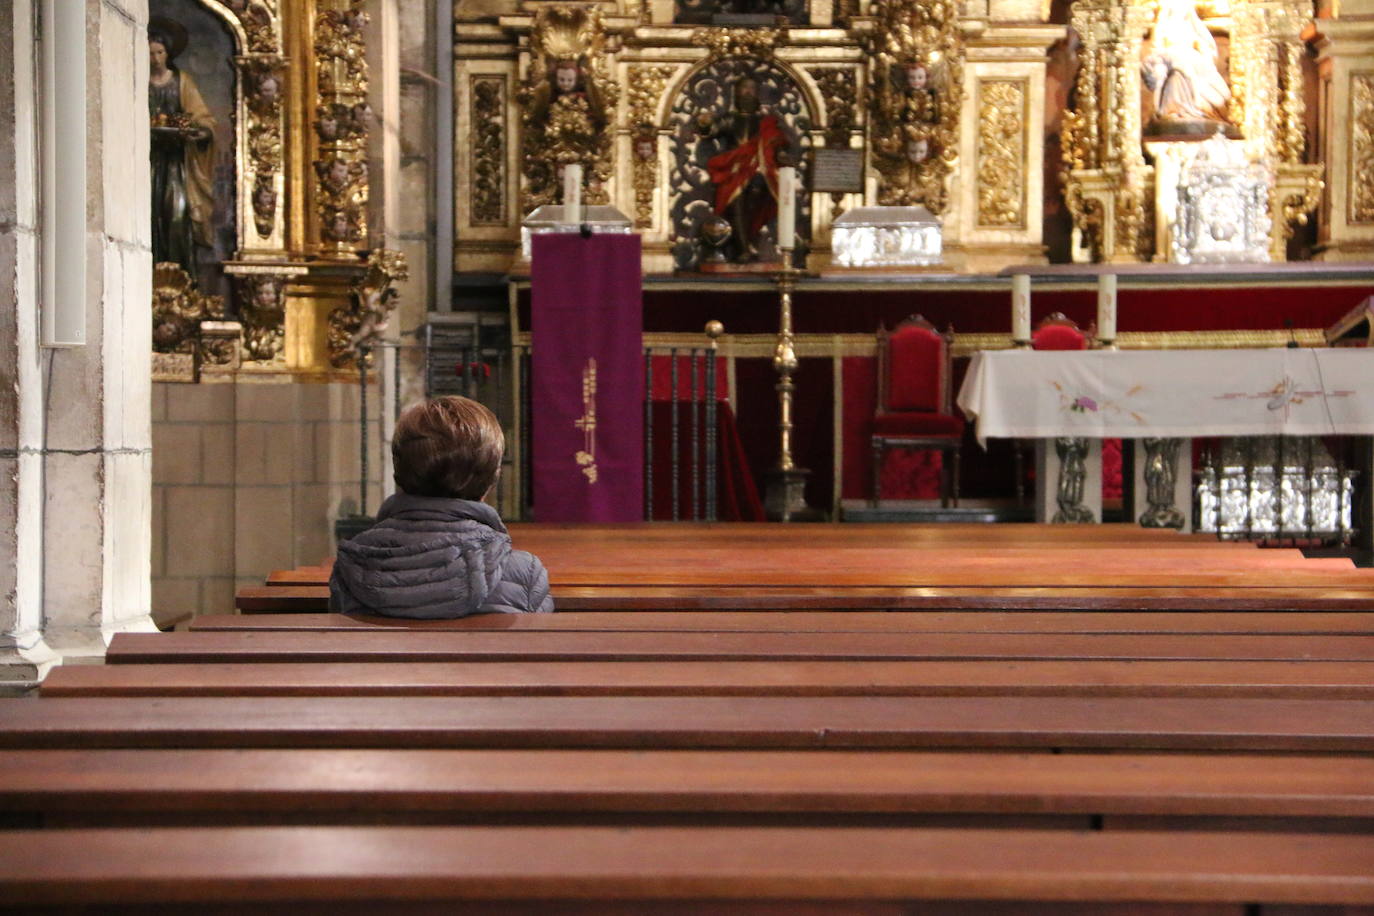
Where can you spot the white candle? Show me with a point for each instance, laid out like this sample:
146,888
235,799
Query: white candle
1106,306
572,192
1020,307
787,207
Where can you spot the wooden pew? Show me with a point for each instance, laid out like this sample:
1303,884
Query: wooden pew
764,723
881,566
487,645
50,788
1084,622
887,567
258,599
685,869
1310,680
662,536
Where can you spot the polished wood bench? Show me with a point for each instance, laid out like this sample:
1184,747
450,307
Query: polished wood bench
259,599
69,788
1211,678
684,869
480,645
1255,622
688,568
845,722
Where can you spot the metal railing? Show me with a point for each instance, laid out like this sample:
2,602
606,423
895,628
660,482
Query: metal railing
692,420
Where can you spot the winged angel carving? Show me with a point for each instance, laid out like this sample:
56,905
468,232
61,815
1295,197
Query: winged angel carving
914,104
566,101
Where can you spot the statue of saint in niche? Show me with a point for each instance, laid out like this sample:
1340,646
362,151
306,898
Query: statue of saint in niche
745,173
1190,94
182,152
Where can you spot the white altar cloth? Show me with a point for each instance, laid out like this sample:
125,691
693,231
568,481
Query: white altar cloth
1131,394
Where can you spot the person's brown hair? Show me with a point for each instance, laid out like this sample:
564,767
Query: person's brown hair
449,447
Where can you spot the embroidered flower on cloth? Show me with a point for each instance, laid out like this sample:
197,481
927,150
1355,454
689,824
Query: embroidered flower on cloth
1084,405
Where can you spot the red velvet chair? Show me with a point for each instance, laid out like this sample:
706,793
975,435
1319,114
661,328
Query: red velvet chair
1060,332
915,407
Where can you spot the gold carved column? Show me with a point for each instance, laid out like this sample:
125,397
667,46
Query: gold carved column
1108,185
1269,106
1345,60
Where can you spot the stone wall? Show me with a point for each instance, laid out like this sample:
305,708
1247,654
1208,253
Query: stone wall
413,223
74,422
248,478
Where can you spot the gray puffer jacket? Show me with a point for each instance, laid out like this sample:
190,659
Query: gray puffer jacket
429,557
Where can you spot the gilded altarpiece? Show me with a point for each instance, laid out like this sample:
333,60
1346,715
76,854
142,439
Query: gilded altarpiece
1344,40
635,96
1117,174
294,196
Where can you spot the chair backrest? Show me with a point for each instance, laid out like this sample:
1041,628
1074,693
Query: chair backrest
913,367
1060,332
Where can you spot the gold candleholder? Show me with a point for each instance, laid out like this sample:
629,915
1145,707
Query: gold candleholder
785,490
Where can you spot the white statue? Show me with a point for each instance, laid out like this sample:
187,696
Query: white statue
1181,67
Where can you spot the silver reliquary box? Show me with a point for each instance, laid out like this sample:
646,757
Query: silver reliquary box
886,237
1223,207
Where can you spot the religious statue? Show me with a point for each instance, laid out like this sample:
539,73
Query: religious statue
567,101
571,109
745,173
182,152
1190,94
1072,452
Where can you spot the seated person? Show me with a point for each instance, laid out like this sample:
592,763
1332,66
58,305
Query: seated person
437,550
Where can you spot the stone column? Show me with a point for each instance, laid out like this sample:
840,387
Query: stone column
1345,48
74,423
24,655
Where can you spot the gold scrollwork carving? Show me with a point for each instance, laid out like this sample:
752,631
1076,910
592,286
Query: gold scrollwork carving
262,75
342,121
566,101
1133,219
1297,205
264,81
178,310
1106,179
1087,217
258,19
738,42
262,308
647,84
1362,147
914,99
1001,153
1081,132
839,91
355,328
488,174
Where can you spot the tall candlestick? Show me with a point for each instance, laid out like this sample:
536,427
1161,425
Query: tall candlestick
1020,308
787,207
572,192
1106,307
